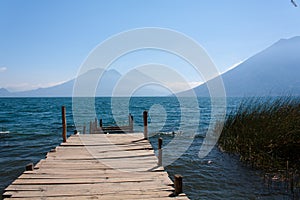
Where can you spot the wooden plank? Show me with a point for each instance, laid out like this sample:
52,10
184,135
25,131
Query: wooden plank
97,176
85,180
116,128
89,171
119,166
104,197
105,187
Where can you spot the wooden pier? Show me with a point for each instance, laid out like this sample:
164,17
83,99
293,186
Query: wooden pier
98,166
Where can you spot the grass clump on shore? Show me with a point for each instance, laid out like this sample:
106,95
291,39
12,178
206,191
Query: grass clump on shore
265,133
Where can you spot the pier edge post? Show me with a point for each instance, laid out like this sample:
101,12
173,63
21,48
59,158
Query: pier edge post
145,117
96,122
91,127
160,141
64,123
178,184
100,123
29,167
130,119
84,129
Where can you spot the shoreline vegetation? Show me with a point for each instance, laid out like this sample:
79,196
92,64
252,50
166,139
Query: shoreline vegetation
265,133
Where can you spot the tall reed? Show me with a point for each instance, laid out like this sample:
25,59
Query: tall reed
265,132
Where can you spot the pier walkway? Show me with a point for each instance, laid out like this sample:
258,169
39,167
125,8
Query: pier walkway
96,166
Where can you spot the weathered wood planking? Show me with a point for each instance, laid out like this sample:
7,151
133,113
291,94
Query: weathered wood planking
96,166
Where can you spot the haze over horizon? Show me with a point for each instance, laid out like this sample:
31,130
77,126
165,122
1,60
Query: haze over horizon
43,43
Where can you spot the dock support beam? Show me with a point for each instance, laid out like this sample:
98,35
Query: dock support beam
84,129
145,117
100,123
130,120
64,124
178,184
96,122
29,167
91,127
160,141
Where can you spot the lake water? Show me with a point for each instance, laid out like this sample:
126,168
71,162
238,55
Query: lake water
30,127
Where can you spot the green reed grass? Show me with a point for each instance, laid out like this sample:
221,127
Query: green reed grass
265,133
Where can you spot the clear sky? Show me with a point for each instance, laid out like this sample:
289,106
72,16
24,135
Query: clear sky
43,43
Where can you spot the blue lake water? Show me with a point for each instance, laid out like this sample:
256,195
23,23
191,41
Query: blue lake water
30,127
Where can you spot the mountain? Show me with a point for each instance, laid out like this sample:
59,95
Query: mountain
62,90
88,81
274,71
104,88
4,92
111,83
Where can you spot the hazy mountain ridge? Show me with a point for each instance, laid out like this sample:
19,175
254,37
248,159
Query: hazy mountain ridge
4,92
271,72
105,86
66,89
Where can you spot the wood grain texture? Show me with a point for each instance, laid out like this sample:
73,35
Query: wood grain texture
96,166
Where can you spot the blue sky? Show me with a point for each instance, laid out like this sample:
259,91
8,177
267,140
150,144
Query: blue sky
43,43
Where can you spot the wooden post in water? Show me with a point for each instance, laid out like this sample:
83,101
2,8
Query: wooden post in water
145,117
64,124
96,122
84,129
29,167
178,184
100,123
91,127
160,141
130,119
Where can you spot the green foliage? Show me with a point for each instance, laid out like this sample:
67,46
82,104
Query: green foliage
264,132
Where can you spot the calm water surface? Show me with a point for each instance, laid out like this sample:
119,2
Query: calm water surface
30,127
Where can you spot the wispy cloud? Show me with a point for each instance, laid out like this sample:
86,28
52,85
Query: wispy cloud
3,69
